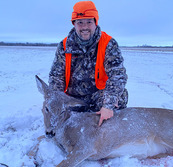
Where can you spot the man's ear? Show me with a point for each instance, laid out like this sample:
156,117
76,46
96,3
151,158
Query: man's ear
73,22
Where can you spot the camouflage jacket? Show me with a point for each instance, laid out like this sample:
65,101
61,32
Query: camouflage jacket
82,81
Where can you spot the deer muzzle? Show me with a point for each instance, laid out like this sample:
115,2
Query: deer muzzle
50,134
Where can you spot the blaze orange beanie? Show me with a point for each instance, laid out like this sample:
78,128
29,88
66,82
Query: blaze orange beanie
84,10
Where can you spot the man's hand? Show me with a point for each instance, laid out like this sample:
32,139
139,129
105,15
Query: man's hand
105,114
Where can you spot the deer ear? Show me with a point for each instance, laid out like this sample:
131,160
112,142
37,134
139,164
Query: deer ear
41,85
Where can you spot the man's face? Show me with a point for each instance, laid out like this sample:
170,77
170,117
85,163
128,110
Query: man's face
85,28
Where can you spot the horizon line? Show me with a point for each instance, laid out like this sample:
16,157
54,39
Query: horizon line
2,43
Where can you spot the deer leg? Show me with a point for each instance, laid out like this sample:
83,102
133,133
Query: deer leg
76,157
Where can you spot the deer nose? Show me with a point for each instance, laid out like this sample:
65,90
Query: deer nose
50,134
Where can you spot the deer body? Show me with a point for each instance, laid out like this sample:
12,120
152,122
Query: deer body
136,132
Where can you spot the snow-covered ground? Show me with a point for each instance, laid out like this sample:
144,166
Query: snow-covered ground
150,84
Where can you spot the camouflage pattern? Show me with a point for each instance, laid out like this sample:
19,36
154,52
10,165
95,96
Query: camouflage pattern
82,81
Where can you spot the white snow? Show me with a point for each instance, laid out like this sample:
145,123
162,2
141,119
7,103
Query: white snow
150,84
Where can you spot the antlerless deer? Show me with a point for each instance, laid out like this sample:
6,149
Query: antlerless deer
136,132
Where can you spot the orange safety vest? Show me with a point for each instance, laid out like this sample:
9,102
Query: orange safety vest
100,74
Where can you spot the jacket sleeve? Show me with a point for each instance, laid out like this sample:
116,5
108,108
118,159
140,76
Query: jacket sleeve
116,73
57,72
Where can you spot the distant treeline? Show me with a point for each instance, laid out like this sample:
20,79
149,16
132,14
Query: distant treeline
26,44
147,46
55,44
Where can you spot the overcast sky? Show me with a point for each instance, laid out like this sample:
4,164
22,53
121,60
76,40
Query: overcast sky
130,22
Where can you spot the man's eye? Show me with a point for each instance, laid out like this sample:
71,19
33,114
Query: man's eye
80,23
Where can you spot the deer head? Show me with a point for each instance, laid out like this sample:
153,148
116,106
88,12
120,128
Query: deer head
55,105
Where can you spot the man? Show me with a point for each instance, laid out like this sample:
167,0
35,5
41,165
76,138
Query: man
89,66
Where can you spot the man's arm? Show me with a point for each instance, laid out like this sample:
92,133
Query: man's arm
57,72
116,72
116,82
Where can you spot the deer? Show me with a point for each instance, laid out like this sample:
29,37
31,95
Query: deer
133,131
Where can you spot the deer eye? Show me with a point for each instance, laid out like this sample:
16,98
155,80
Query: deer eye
47,109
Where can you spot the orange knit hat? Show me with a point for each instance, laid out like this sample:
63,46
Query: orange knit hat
84,10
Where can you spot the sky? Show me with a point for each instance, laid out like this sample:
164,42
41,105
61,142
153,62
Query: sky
130,22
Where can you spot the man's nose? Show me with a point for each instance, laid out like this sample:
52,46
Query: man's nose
85,25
